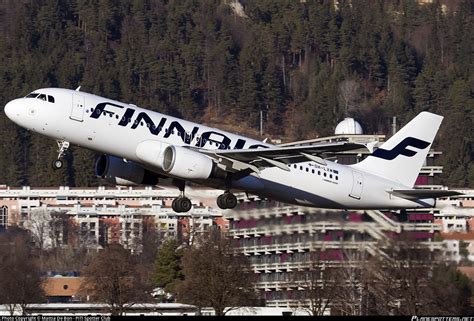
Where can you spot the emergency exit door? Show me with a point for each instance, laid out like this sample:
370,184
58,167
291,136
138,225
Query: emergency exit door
357,185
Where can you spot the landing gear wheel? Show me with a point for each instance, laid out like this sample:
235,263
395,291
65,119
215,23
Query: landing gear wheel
185,204
175,205
220,202
181,204
226,201
57,164
62,148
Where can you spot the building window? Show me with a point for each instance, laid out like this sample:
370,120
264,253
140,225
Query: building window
4,216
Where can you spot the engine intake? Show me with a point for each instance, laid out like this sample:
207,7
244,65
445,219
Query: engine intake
118,171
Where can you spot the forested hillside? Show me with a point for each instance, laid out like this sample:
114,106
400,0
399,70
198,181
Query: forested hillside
307,64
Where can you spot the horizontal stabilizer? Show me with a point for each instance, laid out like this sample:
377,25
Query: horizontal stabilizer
422,193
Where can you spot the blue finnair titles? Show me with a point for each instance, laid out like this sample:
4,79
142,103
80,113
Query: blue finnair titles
401,149
170,127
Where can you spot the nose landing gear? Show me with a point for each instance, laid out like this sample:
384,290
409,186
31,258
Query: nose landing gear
62,148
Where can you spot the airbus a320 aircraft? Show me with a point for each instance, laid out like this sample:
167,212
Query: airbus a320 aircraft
140,146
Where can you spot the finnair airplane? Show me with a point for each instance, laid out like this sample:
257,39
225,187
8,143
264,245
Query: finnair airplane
140,146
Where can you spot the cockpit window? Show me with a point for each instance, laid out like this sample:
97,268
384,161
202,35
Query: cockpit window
41,96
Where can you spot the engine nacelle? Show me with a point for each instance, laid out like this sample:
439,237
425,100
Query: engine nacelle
150,152
118,171
186,163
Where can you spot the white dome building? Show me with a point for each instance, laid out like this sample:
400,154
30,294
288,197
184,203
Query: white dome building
348,126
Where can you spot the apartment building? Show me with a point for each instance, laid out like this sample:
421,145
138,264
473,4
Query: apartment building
94,217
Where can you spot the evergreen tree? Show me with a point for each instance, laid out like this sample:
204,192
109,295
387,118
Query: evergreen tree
167,266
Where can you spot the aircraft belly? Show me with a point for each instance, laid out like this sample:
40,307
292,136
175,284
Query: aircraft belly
296,188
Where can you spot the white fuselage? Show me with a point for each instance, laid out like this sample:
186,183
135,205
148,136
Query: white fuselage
116,128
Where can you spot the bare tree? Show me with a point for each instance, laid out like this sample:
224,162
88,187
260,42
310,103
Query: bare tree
150,241
111,278
349,94
398,282
58,228
319,283
39,226
20,278
215,274
351,288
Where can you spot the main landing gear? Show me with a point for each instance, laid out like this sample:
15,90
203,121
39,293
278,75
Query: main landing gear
181,204
226,201
62,148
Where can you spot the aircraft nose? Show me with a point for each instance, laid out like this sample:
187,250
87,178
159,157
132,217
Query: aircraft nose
9,109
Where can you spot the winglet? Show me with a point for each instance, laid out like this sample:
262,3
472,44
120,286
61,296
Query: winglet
78,88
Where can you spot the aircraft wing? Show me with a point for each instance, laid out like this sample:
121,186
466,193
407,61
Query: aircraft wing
258,158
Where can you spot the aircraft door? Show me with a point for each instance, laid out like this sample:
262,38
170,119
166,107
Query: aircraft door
77,111
357,185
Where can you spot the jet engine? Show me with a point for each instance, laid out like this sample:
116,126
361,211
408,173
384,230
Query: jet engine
186,163
121,172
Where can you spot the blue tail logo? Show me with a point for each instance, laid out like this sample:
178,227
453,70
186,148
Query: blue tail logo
401,149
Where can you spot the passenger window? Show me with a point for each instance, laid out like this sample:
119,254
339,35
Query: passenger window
51,99
42,96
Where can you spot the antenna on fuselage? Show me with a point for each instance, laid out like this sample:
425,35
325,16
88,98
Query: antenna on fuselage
78,88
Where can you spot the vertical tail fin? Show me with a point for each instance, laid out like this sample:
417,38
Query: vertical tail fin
400,158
